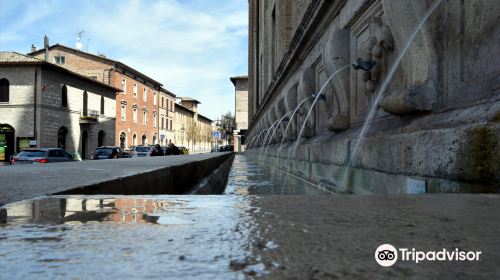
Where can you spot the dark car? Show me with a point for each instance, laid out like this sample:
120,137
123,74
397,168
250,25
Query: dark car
42,155
226,148
109,153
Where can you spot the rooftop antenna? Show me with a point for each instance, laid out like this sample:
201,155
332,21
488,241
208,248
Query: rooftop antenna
79,44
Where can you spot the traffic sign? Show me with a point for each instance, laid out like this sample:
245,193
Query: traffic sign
216,134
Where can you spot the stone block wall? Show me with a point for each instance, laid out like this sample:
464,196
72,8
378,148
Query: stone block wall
18,113
53,116
437,121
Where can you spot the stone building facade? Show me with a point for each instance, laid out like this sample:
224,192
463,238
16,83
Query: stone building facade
191,129
434,127
137,105
241,111
167,114
50,106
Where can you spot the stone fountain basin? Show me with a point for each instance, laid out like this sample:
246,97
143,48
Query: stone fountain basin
152,175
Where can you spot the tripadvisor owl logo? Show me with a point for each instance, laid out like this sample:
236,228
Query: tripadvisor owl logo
387,255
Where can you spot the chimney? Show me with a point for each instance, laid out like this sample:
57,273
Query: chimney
46,46
33,48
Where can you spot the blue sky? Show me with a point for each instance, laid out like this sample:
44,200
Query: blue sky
192,47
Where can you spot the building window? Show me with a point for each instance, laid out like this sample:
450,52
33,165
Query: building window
135,115
4,90
59,59
170,124
154,120
64,96
124,86
134,140
135,90
124,112
145,95
162,123
102,105
145,118
154,99
162,100
85,103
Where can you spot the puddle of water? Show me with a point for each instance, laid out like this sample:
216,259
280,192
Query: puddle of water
247,177
129,236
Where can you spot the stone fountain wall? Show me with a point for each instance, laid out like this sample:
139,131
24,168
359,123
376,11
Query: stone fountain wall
437,128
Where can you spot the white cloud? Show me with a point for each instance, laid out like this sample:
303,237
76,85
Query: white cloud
192,47
192,50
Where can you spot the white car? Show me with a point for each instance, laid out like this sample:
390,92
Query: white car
141,151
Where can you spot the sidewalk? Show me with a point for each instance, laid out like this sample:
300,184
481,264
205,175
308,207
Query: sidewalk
123,176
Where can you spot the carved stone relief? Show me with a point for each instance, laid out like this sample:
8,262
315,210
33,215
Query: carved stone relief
379,44
360,98
281,109
305,89
277,117
290,101
417,90
335,56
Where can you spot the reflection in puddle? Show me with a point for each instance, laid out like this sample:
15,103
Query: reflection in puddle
60,209
177,237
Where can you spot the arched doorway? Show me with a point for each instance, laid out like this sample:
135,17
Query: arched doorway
61,137
100,138
123,140
154,139
85,140
134,140
144,140
6,141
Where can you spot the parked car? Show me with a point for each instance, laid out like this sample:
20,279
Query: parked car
226,148
109,153
141,151
184,150
42,155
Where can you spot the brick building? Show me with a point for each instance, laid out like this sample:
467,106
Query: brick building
44,105
137,112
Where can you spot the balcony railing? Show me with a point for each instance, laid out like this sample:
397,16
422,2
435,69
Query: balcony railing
89,117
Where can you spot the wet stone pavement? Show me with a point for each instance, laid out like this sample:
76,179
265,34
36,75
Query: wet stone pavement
266,225
177,237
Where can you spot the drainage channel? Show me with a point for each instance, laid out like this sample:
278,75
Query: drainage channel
175,236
